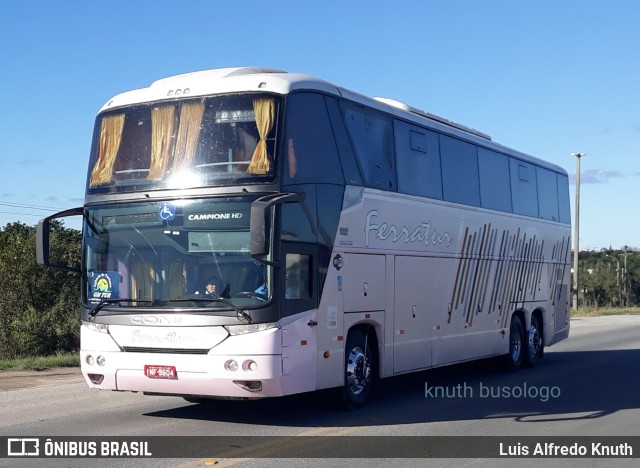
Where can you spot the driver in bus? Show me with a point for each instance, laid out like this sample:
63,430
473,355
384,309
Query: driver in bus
215,287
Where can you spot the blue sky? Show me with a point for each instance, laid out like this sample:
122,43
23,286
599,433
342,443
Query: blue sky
546,77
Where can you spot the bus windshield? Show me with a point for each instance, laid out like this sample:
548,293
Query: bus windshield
219,140
173,254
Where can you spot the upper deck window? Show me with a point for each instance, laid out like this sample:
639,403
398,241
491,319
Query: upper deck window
460,178
311,155
371,134
222,140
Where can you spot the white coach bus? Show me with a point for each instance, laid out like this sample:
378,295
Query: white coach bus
254,233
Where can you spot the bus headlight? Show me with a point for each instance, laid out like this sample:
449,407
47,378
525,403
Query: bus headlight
235,330
231,365
99,327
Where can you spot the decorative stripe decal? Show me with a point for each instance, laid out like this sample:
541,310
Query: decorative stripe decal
500,270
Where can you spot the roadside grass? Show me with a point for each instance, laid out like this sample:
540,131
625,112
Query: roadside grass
41,362
598,311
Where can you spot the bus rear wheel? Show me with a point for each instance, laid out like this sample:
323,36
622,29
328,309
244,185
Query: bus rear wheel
534,342
515,357
360,365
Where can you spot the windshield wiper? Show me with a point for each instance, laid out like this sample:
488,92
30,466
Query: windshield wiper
241,314
93,312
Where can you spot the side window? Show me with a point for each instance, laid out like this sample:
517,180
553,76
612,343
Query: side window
418,161
372,138
495,186
460,180
547,194
563,199
347,156
309,150
298,276
299,221
524,188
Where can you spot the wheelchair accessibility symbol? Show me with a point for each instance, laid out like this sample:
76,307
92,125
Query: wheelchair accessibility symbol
167,211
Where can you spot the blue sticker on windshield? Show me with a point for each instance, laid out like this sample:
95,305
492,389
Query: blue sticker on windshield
167,211
103,285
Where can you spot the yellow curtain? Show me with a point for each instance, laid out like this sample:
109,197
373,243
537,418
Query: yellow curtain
265,111
188,133
110,138
162,121
142,280
177,279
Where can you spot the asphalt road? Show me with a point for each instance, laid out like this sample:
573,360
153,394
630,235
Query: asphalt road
586,386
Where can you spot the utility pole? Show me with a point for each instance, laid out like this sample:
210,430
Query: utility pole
576,231
624,275
617,277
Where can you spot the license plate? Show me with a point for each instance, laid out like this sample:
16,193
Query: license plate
161,372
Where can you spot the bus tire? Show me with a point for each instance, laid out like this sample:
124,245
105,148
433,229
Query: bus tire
360,366
534,342
515,358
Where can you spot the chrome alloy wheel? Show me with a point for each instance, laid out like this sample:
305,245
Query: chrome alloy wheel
358,371
535,341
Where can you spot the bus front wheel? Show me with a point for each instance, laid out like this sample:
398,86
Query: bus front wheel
360,368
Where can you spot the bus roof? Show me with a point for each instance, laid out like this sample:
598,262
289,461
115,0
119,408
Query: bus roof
220,81
264,79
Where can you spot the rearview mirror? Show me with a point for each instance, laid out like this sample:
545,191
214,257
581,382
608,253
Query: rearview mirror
43,246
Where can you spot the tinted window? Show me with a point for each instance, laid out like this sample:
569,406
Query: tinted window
372,137
299,221
563,198
298,276
347,157
459,171
547,194
495,187
524,188
309,149
418,161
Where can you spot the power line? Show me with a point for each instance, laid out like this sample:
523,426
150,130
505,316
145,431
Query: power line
20,214
32,207
22,206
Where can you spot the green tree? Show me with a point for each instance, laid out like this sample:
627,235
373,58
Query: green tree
38,306
604,280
